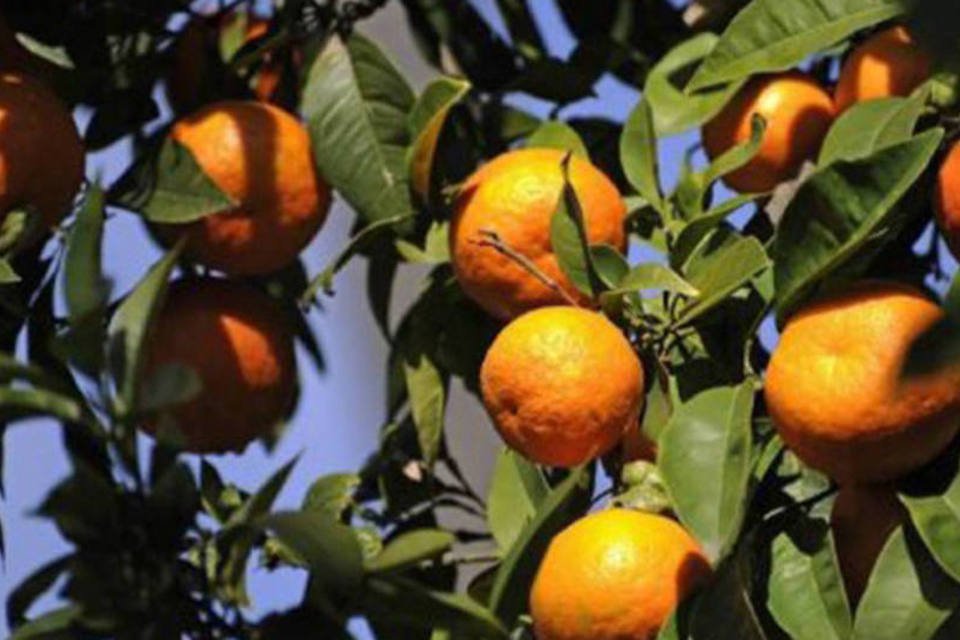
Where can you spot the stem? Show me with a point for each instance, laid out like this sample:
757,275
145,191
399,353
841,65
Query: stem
492,239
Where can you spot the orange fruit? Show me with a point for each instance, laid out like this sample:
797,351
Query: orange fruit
863,518
562,385
515,196
41,154
196,54
887,64
237,341
260,156
798,113
835,388
614,575
947,198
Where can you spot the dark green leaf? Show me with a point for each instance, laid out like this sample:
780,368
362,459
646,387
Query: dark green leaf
568,238
55,625
16,403
356,105
654,276
937,520
869,126
568,501
638,155
772,35
611,265
427,120
517,489
35,585
410,549
554,134
427,392
705,456
332,494
908,595
839,211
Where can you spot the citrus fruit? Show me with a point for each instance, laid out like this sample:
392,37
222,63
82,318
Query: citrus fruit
836,392
258,155
514,196
862,519
33,121
614,575
887,64
798,113
237,340
947,198
562,385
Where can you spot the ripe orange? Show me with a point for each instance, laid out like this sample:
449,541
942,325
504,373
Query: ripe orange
836,393
515,196
614,575
863,518
41,154
237,341
562,385
259,155
888,64
947,198
798,113
195,70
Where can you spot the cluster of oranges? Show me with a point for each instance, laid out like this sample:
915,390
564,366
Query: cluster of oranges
563,385
260,157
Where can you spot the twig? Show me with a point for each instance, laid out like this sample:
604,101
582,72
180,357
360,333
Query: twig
492,239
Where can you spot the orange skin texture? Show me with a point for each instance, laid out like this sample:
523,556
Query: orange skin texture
836,395
614,575
237,341
562,385
33,122
260,156
887,64
947,198
798,113
863,518
515,195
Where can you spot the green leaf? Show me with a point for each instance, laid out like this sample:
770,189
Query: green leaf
327,548
405,601
705,456
55,625
568,501
361,241
937,521
410,549
517,489
166,185
772,35
130,326
7,274
611,265
869,126
638,155
725,609
427,120
908,595
17,403
436,246
805,591
427,391
568,237
260,502
675,111
841,211
724,263
331,494
554,134
654,276
35,585
356,106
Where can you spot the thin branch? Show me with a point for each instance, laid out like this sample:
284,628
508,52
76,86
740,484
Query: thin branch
492,239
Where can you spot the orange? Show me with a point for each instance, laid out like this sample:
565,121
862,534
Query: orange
614,575
947,198
197,72
835,388
41,154
798,113
260,156
237,341
862,520
888,64
562,385
515,196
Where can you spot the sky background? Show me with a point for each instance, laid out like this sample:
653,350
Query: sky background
338,419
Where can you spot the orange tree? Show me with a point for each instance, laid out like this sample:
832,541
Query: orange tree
666,472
